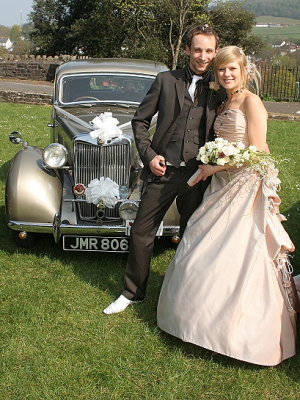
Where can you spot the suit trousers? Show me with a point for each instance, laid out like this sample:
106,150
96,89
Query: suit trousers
155,202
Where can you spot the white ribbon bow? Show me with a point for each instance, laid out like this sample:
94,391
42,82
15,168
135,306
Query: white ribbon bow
106,127
103,189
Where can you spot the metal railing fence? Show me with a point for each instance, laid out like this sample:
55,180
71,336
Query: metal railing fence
280,83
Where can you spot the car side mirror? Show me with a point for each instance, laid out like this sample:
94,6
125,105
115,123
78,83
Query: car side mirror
16,138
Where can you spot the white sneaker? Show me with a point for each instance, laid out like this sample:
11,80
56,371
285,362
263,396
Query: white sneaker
118,305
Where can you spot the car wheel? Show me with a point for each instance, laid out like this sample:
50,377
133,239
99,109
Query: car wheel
30,240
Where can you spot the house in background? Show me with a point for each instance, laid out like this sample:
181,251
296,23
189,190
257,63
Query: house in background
286,47
6,43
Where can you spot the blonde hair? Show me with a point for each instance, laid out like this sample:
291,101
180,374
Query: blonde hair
249,73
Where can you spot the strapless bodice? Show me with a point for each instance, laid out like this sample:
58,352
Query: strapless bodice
232,125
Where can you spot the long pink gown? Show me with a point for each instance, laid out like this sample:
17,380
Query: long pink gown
229,287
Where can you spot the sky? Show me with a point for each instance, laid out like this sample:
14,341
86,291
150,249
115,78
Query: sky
13,11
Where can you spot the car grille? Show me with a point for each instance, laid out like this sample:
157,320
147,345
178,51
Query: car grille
93,162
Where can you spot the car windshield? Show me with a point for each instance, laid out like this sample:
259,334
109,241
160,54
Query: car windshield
122,88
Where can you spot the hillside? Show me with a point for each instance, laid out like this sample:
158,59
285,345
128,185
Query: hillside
265,19
276,8
289,29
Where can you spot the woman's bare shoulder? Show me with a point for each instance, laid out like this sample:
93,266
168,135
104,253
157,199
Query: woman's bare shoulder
252,103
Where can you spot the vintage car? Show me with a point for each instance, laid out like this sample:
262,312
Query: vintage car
85,185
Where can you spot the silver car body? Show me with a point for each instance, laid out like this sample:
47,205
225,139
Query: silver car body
82,91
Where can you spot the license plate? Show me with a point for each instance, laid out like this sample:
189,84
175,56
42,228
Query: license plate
96,243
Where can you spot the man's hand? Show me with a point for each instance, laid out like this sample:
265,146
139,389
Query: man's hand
158,165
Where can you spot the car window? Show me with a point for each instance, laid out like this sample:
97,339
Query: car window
104,87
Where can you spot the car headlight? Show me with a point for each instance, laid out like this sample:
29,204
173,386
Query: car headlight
128,209
55,155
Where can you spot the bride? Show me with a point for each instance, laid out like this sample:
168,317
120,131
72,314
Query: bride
229,288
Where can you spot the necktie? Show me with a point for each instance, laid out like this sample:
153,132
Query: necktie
192,87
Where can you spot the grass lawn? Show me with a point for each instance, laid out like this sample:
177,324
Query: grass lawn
57,345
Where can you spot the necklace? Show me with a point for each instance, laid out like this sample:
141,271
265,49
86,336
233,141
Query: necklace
237,91
225,106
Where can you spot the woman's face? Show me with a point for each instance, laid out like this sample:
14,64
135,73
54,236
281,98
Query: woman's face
230,77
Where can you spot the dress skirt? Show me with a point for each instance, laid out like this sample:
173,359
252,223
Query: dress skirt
229,287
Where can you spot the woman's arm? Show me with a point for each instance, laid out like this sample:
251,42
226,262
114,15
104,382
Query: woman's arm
256,115
204,172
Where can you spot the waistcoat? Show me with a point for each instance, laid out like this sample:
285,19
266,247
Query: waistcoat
188,129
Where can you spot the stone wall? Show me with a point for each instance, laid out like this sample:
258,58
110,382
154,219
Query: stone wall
37,71
27,98
40,68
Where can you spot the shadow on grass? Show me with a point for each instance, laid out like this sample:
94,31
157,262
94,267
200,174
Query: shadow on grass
293,228
4,170
290,367
102,270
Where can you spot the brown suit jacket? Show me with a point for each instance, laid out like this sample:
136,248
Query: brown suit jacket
166,97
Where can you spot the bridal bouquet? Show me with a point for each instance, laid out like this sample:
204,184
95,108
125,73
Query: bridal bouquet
234,154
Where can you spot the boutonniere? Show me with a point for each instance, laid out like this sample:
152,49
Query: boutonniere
213,90
213,87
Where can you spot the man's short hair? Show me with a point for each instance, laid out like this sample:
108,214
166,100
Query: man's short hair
201,30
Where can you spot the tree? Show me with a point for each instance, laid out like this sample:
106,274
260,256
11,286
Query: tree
141,30
75,27
158,27
3,51
4,31
276,8
26,29
47,17
149,29
95,28
234,24
181,15
133,28
21,47
15,33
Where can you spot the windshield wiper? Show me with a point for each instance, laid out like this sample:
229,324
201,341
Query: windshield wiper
123,105
99,103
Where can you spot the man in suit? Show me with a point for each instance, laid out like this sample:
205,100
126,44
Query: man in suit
186,112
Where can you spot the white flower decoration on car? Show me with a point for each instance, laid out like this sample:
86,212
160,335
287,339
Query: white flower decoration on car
103,190
106,128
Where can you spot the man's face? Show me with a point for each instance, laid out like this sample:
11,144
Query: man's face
202,52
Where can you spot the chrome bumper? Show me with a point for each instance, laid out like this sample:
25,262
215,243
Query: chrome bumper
59,229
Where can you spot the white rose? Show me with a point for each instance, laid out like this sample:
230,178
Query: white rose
230,150
237,158
223,160
204,159
219,140
246,155
220,146
252,148
202,150
240,146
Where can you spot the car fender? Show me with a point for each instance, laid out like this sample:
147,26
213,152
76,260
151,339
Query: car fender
33,192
